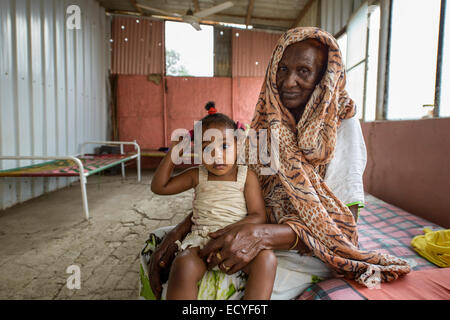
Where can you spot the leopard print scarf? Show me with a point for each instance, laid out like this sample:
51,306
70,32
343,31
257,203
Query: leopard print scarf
302,199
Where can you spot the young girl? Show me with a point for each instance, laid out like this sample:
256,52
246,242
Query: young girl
225,194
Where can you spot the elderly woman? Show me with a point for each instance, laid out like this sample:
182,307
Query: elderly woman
313,199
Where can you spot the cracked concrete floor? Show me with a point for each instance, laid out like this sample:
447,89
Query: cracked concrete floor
40,238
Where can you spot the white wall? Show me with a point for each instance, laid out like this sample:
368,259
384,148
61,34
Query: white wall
52,87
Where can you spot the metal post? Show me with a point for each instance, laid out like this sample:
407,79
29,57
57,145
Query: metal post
440,53
84,194
138,149
82,186
384,59
123,164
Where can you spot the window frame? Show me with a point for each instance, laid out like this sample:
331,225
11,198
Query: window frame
385,36
439,61
166,50
365,59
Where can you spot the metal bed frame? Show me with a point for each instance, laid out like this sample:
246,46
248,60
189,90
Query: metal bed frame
84,175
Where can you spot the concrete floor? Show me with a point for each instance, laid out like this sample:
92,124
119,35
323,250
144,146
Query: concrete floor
41,238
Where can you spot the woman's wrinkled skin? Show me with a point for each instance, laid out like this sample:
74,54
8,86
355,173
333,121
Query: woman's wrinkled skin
299,71
301,68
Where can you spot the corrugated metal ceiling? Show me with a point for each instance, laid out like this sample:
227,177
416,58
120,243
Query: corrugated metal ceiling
266,14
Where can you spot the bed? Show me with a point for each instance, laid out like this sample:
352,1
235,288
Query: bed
82,166
389,229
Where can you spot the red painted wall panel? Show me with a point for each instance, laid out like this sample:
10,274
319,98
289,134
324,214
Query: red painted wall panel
186,98
245,93
140,111
141,104
252,51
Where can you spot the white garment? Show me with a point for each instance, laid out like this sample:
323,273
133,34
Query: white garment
295,274
345,171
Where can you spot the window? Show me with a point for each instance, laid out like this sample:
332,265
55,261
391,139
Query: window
372,64
362,41
356,57
189,52
413,58
342,42
445,84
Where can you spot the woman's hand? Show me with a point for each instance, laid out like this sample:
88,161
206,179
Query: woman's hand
354,210
233,247
162,258
160,261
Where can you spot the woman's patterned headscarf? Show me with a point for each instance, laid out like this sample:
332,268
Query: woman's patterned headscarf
297,195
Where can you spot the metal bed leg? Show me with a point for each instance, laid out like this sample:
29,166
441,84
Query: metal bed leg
83,186
139,167
138,161
84,196
123,164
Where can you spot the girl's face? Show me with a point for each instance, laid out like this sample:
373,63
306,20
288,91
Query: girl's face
219,153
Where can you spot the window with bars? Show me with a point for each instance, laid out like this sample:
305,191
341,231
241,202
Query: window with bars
418,73
413,58
189,52
359,45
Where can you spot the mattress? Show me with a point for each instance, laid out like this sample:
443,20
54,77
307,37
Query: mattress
388,229
67,168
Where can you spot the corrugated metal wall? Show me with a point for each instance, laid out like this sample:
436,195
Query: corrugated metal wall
222,52
336,13
52,86
333,15
252,51
311,17
137,46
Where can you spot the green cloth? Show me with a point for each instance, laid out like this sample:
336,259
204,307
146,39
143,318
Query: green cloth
215,285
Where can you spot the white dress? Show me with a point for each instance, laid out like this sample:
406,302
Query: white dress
216,205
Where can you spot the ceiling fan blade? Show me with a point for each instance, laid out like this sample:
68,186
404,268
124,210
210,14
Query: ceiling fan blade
196,26
213,10
170,14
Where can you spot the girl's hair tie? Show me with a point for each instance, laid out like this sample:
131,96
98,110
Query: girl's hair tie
240,125
211,107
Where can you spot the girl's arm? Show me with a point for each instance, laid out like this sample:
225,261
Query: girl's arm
164,184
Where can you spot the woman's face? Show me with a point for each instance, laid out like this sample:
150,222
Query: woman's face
299,71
